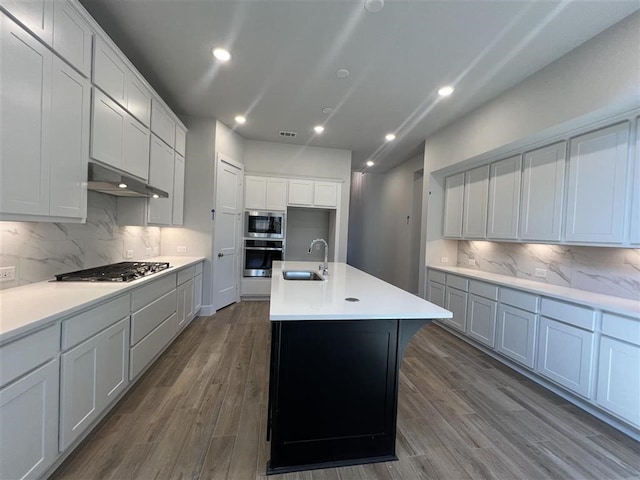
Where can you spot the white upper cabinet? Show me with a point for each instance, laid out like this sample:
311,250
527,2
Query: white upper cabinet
542,193
597,185
325,194
634,228
177,216
181,140
161,175
300,192
107,130
453,205
72,36
138,99
162,124
476,189
265,193
109,72
276,194
69,151
504,198
135,151
36,15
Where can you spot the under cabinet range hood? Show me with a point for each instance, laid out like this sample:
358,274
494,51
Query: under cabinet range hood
104,180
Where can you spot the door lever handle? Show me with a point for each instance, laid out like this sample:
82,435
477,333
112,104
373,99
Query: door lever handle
220,255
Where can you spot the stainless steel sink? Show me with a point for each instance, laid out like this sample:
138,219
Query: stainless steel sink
301,275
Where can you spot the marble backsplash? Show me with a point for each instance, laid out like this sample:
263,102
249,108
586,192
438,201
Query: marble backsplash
610,271
39,250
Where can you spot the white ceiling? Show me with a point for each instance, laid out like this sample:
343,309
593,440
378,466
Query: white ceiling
286,54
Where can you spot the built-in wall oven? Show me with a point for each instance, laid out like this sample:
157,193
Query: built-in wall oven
264,224
259,255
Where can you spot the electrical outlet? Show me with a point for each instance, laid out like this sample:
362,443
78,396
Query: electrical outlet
129,254
156,250
472,262
541,273
444,259
182,249
7,274
148,251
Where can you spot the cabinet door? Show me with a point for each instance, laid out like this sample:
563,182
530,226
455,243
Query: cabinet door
325,194
113,364
161,165
456,302
542,193
300,192
255,192
482,320
504,198
79,404
107,130
35,15
138,99
162,124
109,72
69,142
618,379
197,294
634,233
185,304
276,198
597,185
135,149
436,293
476,190
29,423
181,140
453,205
25,116
565,355
516,334
178,191
72,36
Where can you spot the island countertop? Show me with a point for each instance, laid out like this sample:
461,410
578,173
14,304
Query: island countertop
326,299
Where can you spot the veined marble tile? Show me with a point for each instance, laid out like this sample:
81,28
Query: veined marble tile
103,252
41,261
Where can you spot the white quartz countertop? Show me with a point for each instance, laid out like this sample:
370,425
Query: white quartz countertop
325,300
30,307
598,301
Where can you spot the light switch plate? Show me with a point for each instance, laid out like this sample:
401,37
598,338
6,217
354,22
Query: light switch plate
444,259
129,254
472,262
182,249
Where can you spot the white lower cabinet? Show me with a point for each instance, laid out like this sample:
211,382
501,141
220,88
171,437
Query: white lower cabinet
516,334
481,323
197,293
29,423
456,302
184,311
436,293
92,374
150,347
565,355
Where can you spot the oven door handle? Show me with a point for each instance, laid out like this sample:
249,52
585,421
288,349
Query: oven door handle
264,248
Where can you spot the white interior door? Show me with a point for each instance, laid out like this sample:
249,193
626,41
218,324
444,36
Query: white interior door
227,232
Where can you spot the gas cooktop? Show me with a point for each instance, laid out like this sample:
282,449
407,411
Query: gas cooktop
116,272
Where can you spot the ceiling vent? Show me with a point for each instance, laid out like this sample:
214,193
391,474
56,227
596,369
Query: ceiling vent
288,134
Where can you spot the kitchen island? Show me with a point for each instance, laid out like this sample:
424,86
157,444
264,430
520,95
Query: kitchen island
336,350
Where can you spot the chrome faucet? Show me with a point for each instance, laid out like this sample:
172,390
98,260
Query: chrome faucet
325,266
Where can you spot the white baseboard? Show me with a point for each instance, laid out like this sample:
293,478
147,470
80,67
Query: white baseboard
206,310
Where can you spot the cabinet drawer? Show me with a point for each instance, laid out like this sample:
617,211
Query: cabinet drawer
145,320
143,353
460,283
568,313
436,276
199,268
516,298
186,274
622,328
483,289
156,289
17,358
80,327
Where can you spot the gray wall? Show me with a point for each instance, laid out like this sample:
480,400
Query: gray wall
303,226
595,80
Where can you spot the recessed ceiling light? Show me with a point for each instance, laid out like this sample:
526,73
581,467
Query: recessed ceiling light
240,119
342,73
122,185
222,54
446,91
370,163
373,6
327,110
319,128
389,137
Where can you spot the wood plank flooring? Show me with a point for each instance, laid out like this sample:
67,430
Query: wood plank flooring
200,413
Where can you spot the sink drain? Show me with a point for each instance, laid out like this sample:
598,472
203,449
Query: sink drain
352,299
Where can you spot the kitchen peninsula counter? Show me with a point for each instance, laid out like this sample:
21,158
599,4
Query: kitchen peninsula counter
335,365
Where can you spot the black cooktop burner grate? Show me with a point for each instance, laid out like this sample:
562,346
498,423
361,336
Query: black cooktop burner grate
116,272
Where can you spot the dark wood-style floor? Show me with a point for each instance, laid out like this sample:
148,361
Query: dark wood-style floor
200,413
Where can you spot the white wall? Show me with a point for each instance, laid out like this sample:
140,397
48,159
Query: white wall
379,233
597,79
307,162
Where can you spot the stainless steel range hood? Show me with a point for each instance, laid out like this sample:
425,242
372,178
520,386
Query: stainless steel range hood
104,180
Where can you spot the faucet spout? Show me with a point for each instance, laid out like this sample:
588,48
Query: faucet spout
325,266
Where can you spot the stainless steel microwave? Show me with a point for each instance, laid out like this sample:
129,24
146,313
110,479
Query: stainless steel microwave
264,224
